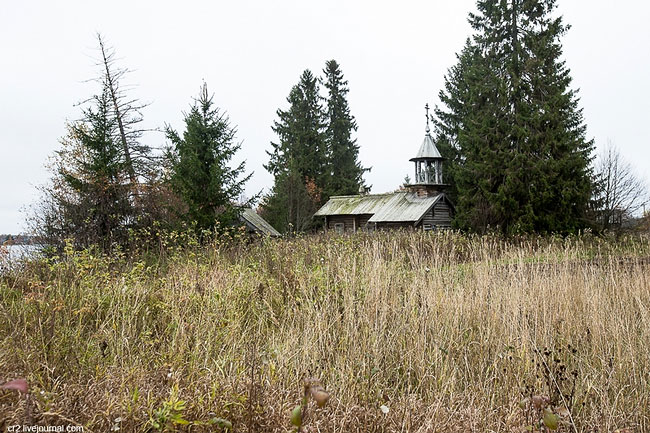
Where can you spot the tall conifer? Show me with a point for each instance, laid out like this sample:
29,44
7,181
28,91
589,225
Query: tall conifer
511,125
299,159
200,170
88,200
345,171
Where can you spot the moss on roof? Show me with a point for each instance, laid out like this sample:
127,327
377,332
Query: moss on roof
258,223
392,207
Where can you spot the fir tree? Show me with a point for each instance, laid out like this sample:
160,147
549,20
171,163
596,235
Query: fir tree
106,181
344,170
147,191
511,125
299,159
88,200
200,173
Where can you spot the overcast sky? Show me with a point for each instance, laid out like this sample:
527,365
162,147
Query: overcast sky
250,53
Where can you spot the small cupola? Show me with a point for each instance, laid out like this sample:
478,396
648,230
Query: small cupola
428,162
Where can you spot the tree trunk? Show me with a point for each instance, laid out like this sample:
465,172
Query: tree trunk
127,153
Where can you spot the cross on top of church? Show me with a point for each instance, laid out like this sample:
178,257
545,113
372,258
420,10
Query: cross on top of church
426,107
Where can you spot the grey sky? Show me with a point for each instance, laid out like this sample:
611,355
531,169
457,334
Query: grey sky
250,53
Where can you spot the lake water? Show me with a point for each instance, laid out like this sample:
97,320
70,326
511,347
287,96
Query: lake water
16,252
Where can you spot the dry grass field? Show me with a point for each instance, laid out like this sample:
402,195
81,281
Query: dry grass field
408,332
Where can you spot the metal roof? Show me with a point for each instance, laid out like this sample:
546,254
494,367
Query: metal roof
428,149
394,207
257,223
354,204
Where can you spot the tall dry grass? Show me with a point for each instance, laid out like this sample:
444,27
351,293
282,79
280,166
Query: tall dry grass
446,332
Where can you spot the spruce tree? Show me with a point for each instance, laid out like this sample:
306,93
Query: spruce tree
299,159
88,200
344,170
132,193
147,192
200,173
511,125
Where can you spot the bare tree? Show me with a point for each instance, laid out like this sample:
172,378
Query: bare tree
127,114
620,192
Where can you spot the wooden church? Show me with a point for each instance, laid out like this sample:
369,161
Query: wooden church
422,205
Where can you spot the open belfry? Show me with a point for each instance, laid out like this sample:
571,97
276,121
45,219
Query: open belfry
421,205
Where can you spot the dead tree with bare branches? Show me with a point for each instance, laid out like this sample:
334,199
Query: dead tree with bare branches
620,192
127,112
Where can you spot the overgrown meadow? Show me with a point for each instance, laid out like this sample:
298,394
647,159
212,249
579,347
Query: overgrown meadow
407,332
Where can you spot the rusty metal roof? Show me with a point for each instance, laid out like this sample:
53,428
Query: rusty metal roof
393,207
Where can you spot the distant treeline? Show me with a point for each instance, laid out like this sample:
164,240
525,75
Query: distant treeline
16,240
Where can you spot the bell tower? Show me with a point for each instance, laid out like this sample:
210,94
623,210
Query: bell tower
428,166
